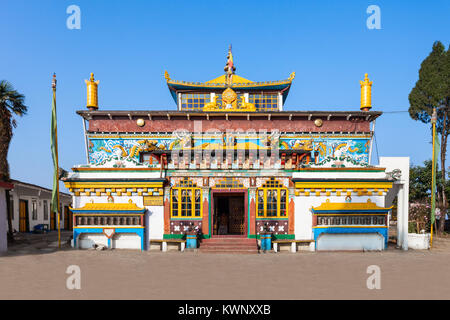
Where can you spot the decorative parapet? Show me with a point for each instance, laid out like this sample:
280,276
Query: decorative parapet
348,206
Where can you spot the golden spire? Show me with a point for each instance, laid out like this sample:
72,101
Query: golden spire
229,67
366,93
92,93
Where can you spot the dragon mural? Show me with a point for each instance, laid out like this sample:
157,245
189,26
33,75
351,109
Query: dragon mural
318,149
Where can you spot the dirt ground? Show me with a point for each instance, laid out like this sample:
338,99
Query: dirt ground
34,270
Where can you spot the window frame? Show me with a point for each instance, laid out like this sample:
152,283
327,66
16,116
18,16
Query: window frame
11,207
179,203
34,210
264,100
188,103
46,211
271,189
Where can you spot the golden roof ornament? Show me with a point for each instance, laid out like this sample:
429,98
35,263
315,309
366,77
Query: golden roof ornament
292,76
54,81
229,67
229,96
92,93
166,75
366,93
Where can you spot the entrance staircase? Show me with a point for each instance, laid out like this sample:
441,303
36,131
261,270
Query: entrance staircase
228,244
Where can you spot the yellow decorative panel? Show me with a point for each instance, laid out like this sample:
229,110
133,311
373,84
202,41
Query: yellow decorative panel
153,201
335,206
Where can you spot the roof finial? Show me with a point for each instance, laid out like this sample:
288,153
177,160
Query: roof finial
92,93
54,81
229,67
366,93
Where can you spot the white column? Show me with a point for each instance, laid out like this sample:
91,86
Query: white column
280,102
402,217
405,188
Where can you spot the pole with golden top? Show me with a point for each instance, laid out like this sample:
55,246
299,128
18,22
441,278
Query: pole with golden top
433,176
366,93
92,93
54,147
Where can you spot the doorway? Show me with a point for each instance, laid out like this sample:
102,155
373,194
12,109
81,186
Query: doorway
52,220
229,214
24,222
67,218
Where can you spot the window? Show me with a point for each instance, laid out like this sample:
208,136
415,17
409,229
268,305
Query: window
149,158
34,210
264,101
194,101
272,199
186,200
11,207
45,210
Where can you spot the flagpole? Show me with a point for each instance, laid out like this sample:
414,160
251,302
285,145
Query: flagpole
57,164
433,191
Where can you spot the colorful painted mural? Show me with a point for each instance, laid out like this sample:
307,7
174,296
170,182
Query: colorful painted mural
352,149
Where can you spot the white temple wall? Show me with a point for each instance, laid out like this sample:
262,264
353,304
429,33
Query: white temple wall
155,215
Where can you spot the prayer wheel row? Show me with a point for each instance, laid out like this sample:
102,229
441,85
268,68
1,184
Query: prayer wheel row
103,221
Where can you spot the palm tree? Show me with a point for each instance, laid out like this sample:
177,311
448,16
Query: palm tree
11,102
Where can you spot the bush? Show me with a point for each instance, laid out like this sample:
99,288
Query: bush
419,217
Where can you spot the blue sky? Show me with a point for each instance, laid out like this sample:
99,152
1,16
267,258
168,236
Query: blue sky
129,44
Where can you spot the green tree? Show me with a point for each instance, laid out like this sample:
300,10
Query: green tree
420,183
11,102
432,90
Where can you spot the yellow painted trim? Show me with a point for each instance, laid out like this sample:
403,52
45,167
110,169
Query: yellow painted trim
109,206
336,206
343,185
123,185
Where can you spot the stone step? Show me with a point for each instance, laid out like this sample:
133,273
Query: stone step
228,240
237,245
228,250
229,244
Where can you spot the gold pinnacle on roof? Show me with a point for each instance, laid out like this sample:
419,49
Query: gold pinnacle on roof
366,93
92,93
229,67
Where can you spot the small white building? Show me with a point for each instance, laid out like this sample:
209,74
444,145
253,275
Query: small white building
30,206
